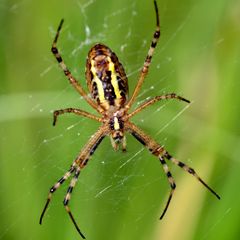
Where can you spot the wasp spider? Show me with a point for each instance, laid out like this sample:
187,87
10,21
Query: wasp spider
108,85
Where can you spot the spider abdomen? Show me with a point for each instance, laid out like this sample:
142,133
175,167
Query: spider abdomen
106,78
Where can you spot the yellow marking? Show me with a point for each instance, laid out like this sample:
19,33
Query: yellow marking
68,196
116,123
73,182
165,167
98,82
114,78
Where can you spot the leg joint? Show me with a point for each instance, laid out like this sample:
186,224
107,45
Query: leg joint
191,171
173,185
167,155
65,201
54,50
52,190
157,34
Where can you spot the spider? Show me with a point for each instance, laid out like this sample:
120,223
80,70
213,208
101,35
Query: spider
108,85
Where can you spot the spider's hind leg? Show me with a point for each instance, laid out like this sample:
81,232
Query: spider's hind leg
68,73
148,59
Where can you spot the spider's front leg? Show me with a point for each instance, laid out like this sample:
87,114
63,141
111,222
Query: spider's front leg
80,162
55,187
162,154
67,198
157,151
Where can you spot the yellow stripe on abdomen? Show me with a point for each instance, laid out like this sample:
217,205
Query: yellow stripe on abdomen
114,81
98,82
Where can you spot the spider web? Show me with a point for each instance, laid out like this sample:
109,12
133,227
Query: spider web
113,182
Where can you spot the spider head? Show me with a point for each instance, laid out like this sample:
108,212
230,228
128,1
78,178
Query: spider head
117,136
117,133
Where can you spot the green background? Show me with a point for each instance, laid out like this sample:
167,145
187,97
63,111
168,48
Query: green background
121,196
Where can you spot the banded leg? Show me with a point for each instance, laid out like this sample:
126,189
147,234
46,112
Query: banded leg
189,170
156,99
68,74
75,111
67,198
81,161
148,59
157,151
161,153
171,182
54,188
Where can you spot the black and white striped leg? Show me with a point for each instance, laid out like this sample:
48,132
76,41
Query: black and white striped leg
189,170
171,182
54,188
68,73
148,59
158,151
67,198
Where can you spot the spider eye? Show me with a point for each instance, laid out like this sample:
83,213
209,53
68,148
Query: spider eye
117,136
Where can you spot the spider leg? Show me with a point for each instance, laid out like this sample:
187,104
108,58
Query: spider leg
124,144
68,74
156,150
67,198
161,153
156,99
189,170
75,111
54,188
81,161
171,182
148,59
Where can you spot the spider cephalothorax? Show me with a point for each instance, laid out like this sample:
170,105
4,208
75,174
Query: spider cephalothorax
108,85
116,125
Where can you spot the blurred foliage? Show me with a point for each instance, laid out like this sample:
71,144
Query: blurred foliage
120,196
